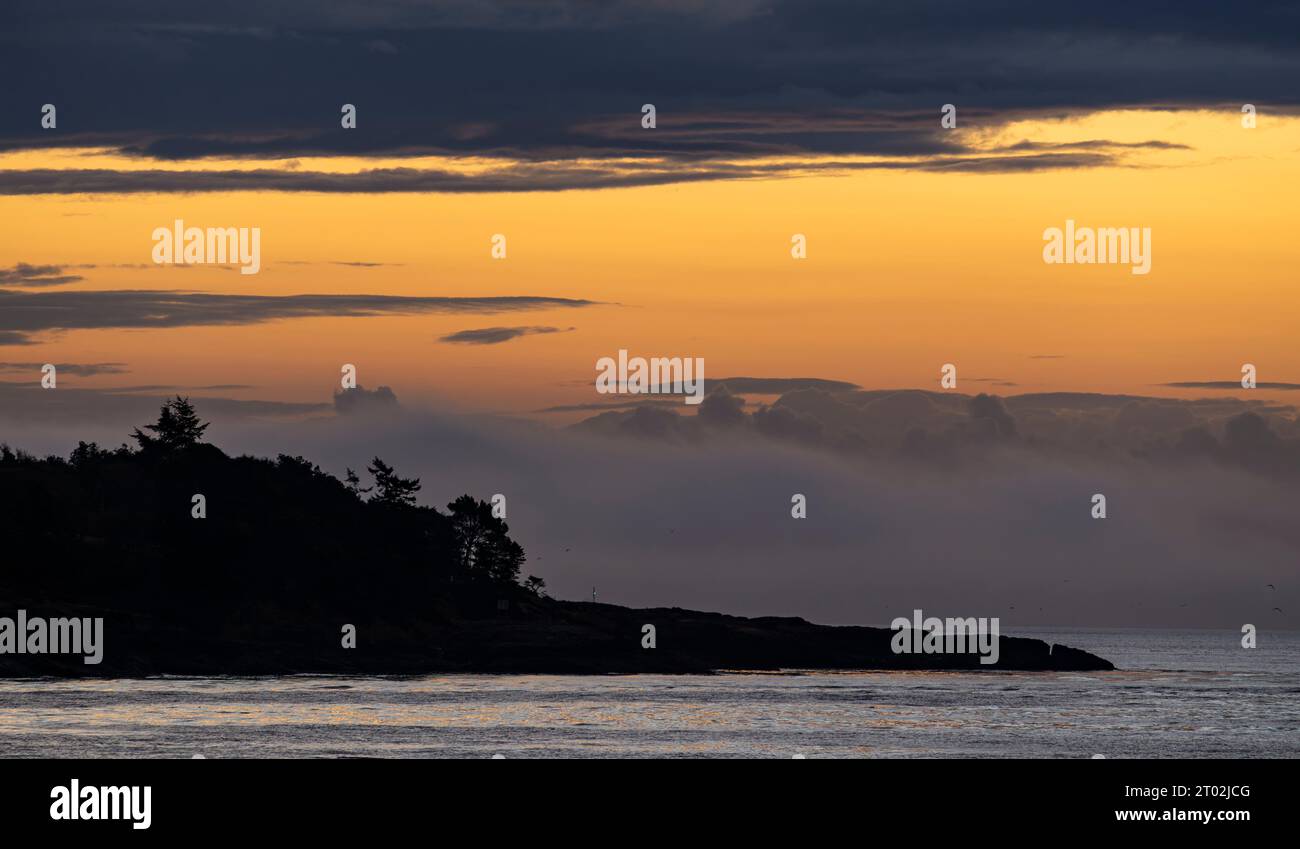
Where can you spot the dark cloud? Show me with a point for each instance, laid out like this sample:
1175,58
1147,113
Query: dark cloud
785,423
1229,384
732,385
989,408
518,177
951,430
163,387
1093,144
360,400
497,335
79,369
23,274
776,385
25,313
611,405
731,81
721,409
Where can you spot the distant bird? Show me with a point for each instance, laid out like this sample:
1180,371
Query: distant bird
1270,586
568,549
1279,610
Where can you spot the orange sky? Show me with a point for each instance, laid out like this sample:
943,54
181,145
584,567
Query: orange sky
907,270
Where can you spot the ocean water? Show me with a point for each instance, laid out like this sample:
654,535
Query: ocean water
1177,694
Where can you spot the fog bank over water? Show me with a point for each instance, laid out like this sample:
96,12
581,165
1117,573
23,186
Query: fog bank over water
979,515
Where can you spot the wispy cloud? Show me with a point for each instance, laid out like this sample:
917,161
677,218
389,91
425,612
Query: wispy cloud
511,177
351,264
24,404
1228,384
23,314
34,276
79,369
497,335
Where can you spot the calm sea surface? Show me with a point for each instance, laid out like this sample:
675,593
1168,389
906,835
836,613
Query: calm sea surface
1178,694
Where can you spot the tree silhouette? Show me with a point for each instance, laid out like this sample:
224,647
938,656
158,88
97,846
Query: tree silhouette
86,453
483,548
389,487
288,549
353,484
178,427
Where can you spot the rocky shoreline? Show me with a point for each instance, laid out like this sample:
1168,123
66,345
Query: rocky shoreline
519,635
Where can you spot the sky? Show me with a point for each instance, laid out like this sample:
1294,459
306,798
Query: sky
924,247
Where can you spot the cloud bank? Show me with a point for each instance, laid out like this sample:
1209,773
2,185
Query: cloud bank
733,83
988,514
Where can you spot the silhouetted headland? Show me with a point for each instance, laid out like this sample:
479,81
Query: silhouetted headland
264,573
